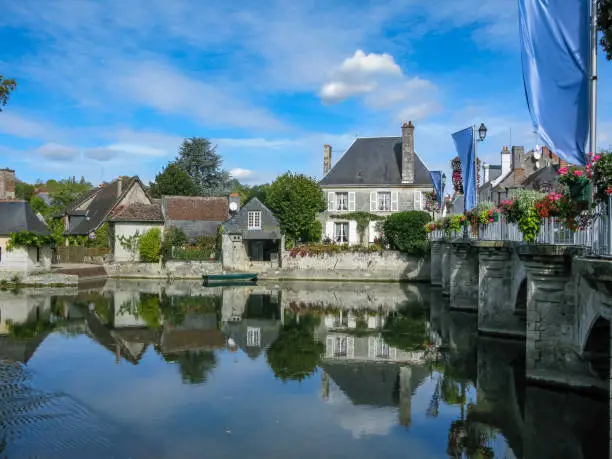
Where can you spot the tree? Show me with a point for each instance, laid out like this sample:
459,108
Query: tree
65,191
604,24
173,181
405,231
296,200
38,205
198,157
7,86
24,190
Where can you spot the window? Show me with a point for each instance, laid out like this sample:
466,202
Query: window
342,201
254,220
341,346
384,201
253,337
341,231
418,200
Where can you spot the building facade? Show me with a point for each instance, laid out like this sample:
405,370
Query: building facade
379,175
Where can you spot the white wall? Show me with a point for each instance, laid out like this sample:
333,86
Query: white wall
17,309
24,260
126,229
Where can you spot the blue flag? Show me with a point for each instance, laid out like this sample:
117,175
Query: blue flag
464,144
555,55
436,179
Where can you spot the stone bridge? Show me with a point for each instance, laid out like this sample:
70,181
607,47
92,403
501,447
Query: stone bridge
553,297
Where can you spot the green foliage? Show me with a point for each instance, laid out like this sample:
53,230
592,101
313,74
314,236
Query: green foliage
64,192
194,366
604,25
7,86
407,329
27,239
295,355
523,211
362,219
56,226
24,190
131,243
260,192
101,239
149,246
313,250
296,200
602,174
177,236
405,231
199,159
149,311
314,232
193,253
38,205
173,181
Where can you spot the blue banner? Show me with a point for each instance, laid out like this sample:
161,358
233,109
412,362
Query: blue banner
464,144
555,56
436,179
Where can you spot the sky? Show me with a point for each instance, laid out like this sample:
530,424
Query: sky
110,87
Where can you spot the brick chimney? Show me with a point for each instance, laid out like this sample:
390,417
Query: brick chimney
408,153
327,158
485,173
7,184
517,157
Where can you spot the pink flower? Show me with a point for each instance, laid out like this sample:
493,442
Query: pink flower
596,158
578,173
563,171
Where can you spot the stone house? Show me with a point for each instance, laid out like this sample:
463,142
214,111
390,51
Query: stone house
195,215
251,236
16,216
379,175
126,222
85,215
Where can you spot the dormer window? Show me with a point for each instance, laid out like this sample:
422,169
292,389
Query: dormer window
254,220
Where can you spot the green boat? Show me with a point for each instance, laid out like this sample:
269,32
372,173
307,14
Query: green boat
226,278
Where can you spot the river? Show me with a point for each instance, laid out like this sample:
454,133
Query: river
143,369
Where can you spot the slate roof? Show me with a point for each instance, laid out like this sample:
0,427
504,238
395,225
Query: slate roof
104,199
238,224
374,161
193,208
139,213
545,176
18,216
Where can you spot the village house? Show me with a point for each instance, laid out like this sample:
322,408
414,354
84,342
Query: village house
17,216
379,175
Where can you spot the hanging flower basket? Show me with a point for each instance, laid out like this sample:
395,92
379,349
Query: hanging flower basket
580,191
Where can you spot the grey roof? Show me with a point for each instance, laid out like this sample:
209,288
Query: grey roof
374,161
104,200
18,216
238,224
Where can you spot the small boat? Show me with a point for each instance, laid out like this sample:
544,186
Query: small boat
229,278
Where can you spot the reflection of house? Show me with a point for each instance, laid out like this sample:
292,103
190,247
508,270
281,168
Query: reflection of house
198,332
251,235
251,318
380,175
17,216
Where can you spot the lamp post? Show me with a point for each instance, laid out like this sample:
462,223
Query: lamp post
442,191
478,135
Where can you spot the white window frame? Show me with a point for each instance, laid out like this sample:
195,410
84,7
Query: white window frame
343,237
418,200
254,219
342,205
253,337
351,201
384,205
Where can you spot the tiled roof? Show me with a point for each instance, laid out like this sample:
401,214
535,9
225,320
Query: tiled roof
195,208
139,213
374,161
18,216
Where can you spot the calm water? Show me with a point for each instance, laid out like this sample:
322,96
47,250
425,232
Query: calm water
142,370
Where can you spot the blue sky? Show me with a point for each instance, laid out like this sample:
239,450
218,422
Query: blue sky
110,88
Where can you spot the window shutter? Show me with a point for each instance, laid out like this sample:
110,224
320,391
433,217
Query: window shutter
351,202
394,201
352,235
372,201
329,346
331,201
350,347
329,229
418,200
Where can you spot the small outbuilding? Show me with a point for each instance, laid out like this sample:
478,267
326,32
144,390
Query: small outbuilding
252,236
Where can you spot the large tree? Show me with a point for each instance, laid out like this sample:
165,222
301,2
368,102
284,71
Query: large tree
7,86
198,157
173,181
604,22
296,200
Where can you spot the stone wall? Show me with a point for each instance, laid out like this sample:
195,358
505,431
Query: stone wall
39,279
172,269
378,266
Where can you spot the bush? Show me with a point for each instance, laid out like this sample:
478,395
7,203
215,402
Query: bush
177,236
405,231
149,246
314,232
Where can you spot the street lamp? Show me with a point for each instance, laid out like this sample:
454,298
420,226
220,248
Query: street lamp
482,132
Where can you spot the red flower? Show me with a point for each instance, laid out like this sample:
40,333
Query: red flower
563,171
578,173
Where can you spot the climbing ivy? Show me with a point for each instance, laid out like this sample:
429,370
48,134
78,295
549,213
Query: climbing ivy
28,239
363,220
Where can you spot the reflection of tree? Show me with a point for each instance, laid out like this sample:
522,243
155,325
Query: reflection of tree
176,308
295,355
195,366
148,310
30,329
407,329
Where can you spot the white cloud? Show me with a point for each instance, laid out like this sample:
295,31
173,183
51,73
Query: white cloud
137,150
337,91
101,154
371,63
419,111
241,174
56,152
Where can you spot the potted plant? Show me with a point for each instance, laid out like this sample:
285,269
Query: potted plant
521,209
599,170
576,181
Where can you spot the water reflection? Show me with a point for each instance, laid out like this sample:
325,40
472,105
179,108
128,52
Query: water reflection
388,365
